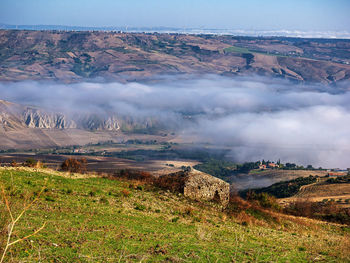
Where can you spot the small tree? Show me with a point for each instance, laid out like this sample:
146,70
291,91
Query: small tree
310,167
14,219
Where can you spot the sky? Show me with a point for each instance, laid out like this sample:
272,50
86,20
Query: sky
305,15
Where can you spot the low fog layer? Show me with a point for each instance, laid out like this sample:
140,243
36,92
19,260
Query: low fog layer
258,118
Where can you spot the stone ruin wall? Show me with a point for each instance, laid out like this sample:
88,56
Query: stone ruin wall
206,187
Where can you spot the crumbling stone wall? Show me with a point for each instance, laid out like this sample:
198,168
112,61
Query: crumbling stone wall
197,185
201,186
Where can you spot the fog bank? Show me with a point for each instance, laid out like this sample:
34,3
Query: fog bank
258,118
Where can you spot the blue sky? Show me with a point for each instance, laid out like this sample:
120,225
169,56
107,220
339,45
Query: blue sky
321,15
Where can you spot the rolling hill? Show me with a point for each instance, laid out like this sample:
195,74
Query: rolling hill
76,56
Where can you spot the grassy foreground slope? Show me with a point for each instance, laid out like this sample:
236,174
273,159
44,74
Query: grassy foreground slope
101,220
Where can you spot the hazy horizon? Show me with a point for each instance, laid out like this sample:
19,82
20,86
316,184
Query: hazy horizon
250,15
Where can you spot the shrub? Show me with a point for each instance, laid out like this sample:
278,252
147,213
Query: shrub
134,175
189,211
125,192
174,182
244,223
74,165
139,207
264,200
329,211
237,204
49,198
32,163
175,219
104,200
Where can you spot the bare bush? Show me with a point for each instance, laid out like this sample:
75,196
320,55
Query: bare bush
173,182
13,220
74,165
134,175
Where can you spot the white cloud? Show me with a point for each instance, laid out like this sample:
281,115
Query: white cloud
257,117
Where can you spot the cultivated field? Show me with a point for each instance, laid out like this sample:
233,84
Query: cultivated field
258,178
321,192
100,164
32,138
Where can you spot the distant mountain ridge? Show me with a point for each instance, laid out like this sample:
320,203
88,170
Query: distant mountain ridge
69,56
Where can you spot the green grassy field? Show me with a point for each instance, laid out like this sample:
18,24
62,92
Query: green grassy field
244,50
237,50
103,220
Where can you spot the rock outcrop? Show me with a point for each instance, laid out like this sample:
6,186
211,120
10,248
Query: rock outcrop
34,118
10,116
15,116
95,122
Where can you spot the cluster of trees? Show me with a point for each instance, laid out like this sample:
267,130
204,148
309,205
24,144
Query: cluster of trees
217,168
247,167
339,180
8,151
290,166
293,166
268,162
222,169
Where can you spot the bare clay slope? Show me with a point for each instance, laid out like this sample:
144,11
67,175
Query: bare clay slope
26,127
23,127
74,56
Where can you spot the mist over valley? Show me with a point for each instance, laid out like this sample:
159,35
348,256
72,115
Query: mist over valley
256,117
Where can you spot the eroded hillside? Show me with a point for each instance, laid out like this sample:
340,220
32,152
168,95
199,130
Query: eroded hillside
74,56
